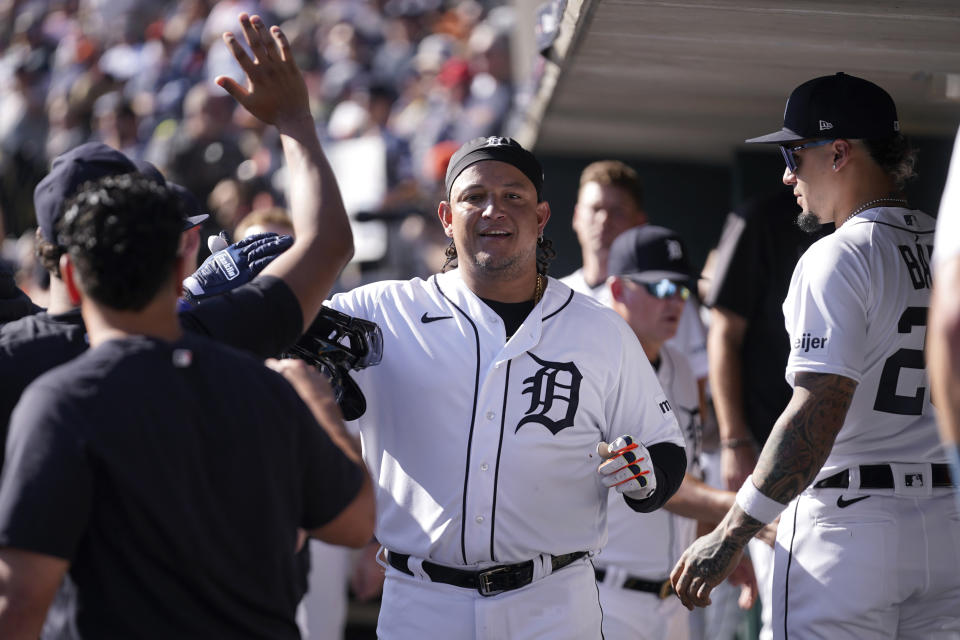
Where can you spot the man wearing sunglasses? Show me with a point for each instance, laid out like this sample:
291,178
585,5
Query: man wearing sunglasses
649,285
868,546
610,201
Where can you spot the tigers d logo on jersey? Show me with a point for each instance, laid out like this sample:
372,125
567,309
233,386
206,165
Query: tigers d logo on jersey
554,395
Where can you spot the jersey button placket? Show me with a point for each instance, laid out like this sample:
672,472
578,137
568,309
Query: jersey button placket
491,415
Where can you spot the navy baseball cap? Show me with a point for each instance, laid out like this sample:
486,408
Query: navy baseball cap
495,148
191,205
187,199
89,161
92,161
837,106
649,254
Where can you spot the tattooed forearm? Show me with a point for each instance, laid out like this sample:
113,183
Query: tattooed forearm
804,434
738,527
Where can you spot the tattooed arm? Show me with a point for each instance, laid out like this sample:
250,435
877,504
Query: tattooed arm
798,446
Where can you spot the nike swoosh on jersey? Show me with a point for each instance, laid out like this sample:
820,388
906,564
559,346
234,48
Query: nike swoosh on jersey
843,504
425,318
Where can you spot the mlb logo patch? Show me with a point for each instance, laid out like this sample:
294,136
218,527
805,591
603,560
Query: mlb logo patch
910,219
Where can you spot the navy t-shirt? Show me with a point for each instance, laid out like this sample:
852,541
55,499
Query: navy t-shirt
173,477
262,317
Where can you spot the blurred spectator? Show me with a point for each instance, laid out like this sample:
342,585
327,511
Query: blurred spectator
203,150
233,198
444,110
272,220
491,90
115,124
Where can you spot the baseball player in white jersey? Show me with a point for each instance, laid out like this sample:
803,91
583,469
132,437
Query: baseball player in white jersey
649,285
484,418
609,202
943,338
869,546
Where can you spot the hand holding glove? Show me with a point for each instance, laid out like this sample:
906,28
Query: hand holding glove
234,265
628,468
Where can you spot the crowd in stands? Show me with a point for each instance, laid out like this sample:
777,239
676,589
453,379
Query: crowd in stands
397,84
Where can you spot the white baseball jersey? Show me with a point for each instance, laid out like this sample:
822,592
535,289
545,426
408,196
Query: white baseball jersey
947,244
867,563
647,545
690,339
857,307
483,448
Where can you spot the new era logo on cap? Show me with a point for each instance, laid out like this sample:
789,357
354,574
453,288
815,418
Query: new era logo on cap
844,105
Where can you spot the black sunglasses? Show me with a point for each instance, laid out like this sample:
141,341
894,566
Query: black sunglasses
789,151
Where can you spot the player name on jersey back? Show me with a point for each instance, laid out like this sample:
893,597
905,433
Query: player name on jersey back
857,307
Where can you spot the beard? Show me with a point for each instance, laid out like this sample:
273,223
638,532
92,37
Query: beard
501,268
808,222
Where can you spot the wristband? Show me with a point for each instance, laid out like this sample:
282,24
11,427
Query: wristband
733,443
756,505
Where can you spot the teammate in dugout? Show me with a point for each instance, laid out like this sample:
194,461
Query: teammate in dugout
484,418
285,298
275,307
869,546
172,492
610,201
649,285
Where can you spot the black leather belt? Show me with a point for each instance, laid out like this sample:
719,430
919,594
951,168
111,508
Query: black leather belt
880,476
489,582
662,588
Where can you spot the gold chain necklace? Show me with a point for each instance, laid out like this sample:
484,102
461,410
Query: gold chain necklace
868,205
538,291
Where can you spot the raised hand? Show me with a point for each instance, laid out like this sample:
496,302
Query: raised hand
275,91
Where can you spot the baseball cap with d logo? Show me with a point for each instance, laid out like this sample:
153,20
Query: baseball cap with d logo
653,256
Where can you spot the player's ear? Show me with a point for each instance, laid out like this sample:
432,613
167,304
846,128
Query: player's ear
841,153
68,275
543,214
616,288
445,213
179,272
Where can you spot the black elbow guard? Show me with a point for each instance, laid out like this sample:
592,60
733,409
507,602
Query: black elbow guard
669,465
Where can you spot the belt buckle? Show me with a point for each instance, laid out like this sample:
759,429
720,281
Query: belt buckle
912,480
485,581
666,589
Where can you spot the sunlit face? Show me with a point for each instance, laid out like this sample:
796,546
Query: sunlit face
603,212
654,320
813,165
494,219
